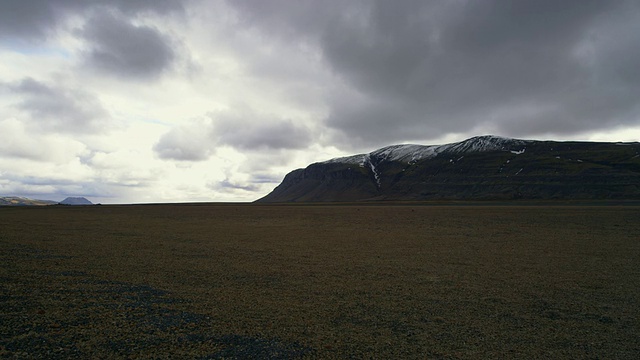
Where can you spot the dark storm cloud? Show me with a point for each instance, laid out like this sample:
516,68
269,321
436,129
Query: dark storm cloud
35,20
126,50
55,108
248,131
135,7
422,69
244,131
116,44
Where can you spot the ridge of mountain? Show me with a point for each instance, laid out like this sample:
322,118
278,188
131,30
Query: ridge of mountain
23,201
411,152
479,168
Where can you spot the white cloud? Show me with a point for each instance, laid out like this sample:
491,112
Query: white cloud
192,142
47,107
17,142
243,130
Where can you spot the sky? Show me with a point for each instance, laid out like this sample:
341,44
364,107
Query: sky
146,101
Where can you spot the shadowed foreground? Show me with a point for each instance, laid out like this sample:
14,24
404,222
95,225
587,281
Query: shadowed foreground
384,281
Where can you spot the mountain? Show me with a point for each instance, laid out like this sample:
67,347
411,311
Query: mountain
22,201
479,168
75,201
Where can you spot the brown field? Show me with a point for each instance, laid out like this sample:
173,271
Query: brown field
353,281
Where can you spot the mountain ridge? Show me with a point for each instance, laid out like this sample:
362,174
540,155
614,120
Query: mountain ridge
482,167
416,152
23,201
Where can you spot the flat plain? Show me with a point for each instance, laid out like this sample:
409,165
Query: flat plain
235,281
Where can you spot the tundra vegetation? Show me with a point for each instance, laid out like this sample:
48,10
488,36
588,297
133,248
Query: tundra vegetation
479,280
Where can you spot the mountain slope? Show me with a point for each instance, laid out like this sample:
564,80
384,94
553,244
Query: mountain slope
483,167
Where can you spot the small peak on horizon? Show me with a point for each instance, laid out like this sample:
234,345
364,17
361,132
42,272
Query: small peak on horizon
79,200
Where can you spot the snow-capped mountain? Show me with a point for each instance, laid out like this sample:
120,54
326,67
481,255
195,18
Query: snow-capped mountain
482,167
410,153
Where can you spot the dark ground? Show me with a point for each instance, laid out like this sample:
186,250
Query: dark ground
217,281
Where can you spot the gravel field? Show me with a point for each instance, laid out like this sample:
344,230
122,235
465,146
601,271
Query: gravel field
384,281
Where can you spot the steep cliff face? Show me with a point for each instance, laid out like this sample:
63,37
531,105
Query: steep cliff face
485,167
326,182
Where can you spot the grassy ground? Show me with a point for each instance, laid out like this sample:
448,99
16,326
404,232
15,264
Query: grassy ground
351,281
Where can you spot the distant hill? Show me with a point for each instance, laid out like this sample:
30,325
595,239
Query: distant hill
480,168
22,201
76,201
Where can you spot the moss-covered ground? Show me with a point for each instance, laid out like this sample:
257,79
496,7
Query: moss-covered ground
386,281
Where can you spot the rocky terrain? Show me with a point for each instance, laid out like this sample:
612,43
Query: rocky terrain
480,168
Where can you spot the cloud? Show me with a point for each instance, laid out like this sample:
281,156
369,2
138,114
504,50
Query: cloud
250,131
134,7
439,69
227,184
190,142
37,20
56,108
120,48
22,176
17,142
425,69
243,131
97,92
32,20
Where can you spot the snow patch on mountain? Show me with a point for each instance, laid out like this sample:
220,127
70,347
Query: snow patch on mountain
374,170
407,153
359,159
411,153
483,144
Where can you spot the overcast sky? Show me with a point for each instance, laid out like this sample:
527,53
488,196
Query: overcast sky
141,101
